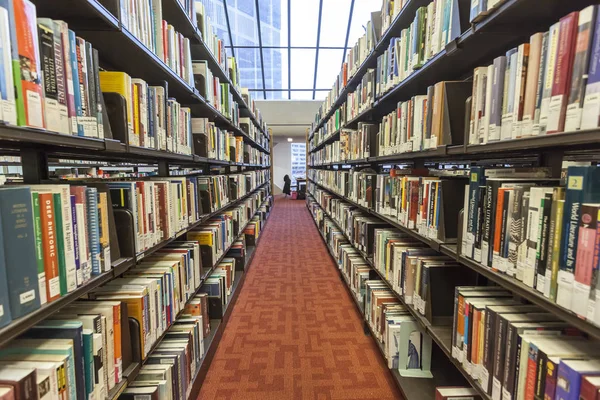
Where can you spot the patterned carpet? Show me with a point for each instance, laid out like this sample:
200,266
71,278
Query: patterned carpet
295,332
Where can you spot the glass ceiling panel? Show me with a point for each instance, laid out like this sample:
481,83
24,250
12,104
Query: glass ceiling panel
330,62
303,68
334,23
305,18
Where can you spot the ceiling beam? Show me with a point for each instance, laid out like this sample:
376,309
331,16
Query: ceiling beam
317,47
262,61
348,31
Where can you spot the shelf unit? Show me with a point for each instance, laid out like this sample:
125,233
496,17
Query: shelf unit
97,21
506,26
410,388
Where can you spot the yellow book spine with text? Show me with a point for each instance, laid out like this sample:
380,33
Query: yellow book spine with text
119,82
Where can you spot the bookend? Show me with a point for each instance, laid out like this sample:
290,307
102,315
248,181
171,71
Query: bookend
441,282
453,120
125,234
127,357
414,348
452,201
136,346
200,141
250,239
116,108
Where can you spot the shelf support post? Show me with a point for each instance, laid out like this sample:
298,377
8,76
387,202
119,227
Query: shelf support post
35,166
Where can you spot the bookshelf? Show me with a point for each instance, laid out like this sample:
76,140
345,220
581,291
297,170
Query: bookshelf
239,172
344,183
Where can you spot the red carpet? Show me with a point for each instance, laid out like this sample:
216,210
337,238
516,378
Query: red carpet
294,332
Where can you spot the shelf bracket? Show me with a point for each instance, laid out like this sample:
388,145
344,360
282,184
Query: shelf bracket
163,168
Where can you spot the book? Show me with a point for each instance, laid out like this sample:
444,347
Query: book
19,244
28,75
590,115
7,63
22,380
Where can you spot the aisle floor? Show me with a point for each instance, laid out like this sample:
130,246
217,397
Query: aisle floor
294,332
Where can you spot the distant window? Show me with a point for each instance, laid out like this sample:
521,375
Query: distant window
298,161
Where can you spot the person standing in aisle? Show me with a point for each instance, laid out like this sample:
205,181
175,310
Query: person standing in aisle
286,185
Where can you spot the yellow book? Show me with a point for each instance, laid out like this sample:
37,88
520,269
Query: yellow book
136,117
202,237
119,82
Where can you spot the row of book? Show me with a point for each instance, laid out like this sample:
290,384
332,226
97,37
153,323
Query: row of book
538,232
515,350
55,238
183,346
406,348
219,144
214,92
143,19
362,98
432,28
154,120
57,88
82,351
208,33
545,86
353,145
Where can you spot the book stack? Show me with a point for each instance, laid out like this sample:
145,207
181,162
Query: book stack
389,11
153,119
363,97
61,236
547,85
209,33
364,46
537,232
65,98
433,27
426,121
143,19
214,92
169,370
76,353
516,350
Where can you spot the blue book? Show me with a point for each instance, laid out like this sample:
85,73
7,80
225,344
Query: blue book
77,95
93,229
73,330
5,316
570,375
78,271
16,214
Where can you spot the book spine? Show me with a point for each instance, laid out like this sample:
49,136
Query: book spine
543,236
520,84
531,83
495,107
91,91
562,73
587,243
7,88
55,287
579,73
541,79
30,110
93,234
61,81
577,181
76,228
591,103
63,31
39,252
76,122
19,240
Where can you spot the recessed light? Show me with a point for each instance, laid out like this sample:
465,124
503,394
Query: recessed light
290,139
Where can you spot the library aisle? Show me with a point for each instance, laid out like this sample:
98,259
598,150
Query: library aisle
294,332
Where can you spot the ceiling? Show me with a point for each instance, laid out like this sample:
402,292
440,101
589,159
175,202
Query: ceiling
288,118
289,49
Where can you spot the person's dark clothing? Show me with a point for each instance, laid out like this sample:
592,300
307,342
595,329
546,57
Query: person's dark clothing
286,186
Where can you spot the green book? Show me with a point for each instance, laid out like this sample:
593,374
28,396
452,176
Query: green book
39,251
60,244
88,357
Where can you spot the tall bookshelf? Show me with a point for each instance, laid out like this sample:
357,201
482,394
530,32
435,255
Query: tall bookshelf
479,41
41,151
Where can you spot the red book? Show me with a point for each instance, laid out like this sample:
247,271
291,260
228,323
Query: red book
584,265
589,388
498,223
531,375
30,108
562,72
49,243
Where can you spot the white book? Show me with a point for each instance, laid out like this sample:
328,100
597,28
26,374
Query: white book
479,100
535,214
100,384
47,375
85,262
510,81
8,111
550,67
484,128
